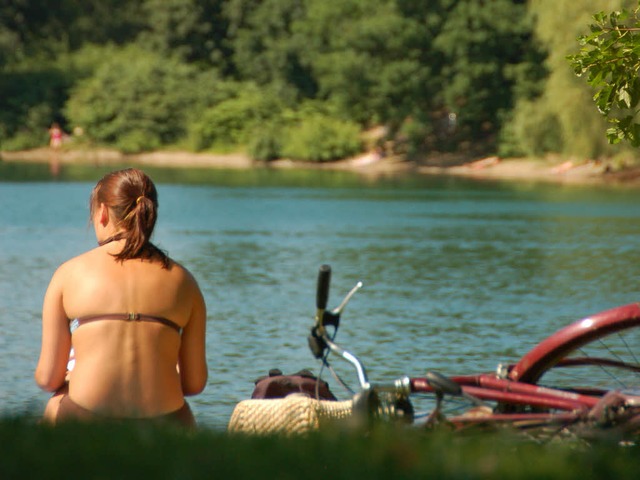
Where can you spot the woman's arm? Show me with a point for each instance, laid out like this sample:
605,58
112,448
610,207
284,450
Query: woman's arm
193,361
56,338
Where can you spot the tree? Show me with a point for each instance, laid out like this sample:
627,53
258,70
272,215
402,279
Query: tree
194,30
137,100
610,59
559,117
488,52
366,57
46,27
265,51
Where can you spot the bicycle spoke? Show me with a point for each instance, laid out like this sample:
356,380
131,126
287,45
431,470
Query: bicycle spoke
606,363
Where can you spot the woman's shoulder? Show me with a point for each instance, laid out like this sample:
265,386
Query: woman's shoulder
65,272
184,276
79,261
180,270
81,258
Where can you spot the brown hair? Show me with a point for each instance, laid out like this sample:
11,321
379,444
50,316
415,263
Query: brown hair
132,200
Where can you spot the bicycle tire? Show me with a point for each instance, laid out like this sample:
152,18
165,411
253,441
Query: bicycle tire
584,347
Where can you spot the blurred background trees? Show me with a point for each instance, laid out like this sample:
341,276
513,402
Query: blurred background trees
609,60
301,79
563,117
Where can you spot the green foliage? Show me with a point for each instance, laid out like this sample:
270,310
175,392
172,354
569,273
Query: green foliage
232,121
366,58
44,28
311,133
144,72
192,30
266,50
85,61
137,100
419,134
319,137
8,44
486,48
266,141
536,133
96,21
610,58
29,101
567,123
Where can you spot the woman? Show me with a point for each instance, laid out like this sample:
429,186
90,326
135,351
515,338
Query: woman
135,318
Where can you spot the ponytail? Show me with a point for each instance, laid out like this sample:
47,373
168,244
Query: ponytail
132,199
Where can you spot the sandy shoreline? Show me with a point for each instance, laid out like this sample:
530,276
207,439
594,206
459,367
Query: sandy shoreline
559,171
491,168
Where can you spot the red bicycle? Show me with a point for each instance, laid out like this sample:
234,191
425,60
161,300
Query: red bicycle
583,380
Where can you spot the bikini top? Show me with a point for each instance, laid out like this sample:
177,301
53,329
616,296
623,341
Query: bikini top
130,317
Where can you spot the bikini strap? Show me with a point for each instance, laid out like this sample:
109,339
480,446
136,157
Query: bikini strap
131,317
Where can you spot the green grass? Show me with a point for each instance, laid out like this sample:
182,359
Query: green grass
121,452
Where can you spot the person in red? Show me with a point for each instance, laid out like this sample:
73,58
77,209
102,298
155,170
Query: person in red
55,136
134,317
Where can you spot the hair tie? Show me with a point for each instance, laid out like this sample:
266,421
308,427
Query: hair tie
139,198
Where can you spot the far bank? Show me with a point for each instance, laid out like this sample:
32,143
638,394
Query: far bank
554,170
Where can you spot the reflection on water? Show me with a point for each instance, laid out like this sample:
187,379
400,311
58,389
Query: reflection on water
458,276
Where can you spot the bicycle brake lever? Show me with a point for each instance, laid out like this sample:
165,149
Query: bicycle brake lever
338,310
333,317
444,385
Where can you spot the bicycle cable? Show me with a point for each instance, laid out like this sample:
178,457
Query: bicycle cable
334,374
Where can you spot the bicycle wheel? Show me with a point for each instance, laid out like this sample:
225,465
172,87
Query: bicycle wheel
593,355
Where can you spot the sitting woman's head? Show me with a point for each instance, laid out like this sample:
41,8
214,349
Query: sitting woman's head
132,202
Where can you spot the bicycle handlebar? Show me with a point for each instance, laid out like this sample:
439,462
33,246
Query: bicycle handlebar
319,341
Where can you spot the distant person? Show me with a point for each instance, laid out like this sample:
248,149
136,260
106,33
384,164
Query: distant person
55,136
135,319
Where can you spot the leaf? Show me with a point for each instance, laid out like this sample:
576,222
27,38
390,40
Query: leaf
600,17
613,135
624,97
602,99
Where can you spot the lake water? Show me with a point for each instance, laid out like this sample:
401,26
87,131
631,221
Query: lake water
458,275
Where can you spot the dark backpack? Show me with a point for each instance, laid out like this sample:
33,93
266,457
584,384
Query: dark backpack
277,385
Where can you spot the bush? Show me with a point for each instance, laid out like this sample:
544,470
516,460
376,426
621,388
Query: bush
321,138
138,100
533,131
266,142
84,62
233,121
